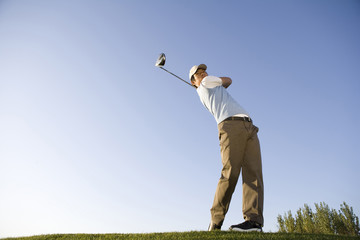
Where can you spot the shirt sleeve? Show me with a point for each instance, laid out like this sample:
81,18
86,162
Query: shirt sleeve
211,82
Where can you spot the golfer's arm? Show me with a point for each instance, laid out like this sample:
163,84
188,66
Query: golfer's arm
226,81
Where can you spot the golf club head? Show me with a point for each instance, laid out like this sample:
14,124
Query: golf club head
160,62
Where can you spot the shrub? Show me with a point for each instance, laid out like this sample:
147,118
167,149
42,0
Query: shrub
324,220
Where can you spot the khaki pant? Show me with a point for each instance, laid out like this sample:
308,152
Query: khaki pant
240,150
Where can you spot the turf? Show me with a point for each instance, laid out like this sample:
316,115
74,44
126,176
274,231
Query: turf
226,235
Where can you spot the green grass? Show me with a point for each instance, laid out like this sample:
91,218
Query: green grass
223,235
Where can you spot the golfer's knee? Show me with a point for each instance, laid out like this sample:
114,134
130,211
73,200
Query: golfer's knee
230,174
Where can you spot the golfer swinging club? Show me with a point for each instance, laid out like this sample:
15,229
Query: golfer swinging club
240,150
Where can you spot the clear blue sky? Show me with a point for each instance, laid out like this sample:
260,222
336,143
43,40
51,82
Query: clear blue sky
95,139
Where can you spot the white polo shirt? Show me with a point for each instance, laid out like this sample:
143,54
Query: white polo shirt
217,100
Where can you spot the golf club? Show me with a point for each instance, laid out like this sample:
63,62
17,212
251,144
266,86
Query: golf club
160,62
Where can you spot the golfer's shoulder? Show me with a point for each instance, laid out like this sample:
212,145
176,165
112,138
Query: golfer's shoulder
211,82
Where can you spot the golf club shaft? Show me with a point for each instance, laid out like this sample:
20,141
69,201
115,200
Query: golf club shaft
177,77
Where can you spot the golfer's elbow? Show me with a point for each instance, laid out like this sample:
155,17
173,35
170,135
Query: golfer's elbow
226,81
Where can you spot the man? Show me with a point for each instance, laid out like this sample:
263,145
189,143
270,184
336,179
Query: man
240,150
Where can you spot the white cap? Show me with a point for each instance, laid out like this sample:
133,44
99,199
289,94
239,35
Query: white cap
195,68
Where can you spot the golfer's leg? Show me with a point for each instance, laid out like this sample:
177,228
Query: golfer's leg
253,186
232,142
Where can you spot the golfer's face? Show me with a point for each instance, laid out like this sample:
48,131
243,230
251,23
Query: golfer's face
199,75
